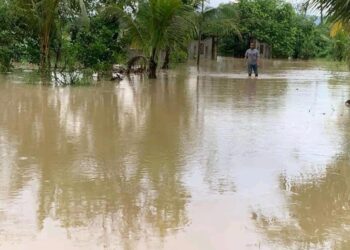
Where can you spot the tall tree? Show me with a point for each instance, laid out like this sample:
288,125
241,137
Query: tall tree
40,16
200,24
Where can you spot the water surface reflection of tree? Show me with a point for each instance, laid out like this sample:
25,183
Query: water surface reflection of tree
108,160
318,205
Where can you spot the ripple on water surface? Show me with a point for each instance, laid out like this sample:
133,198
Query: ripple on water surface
208,160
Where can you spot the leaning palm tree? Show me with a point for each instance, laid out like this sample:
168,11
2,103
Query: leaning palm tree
156,25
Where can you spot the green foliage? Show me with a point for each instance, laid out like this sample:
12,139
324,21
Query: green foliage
306,35
94,34
7,38
232,45
156,25
339,18
178,56
222,21
269,21
70,70
276,23
99,46
340,47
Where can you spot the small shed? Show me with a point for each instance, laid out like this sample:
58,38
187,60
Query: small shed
265,50
208,48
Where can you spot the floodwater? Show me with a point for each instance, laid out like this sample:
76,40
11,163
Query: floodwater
194,160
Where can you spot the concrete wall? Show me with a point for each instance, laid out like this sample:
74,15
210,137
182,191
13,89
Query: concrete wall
265,50
208,49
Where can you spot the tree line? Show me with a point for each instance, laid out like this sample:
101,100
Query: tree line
95,34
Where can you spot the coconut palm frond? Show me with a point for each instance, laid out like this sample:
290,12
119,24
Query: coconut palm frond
157,24
222,21
132,27
338,10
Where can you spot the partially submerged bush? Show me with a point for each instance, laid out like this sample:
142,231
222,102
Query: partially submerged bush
72,77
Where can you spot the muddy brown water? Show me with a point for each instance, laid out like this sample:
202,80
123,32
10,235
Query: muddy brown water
193,160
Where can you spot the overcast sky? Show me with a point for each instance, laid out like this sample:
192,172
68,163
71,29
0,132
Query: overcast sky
215,3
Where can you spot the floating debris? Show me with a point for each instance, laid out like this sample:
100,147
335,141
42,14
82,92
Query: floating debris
117,77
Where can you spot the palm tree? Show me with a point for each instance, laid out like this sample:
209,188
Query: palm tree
156,25
339,13
222,21
194,4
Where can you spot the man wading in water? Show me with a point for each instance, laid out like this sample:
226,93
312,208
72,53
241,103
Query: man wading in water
252,58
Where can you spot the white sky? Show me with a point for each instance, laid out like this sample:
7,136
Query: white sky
215,3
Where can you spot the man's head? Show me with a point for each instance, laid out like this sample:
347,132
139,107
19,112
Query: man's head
252,45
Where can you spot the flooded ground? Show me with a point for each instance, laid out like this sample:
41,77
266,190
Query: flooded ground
198,161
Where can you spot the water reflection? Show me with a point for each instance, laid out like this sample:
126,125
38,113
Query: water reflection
317,212
102,160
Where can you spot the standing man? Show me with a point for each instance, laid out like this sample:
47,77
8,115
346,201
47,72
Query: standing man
252,58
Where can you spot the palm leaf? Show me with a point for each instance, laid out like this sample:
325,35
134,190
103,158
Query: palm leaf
157,24
338,10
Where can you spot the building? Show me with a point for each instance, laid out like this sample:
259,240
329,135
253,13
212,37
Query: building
265,50
208,48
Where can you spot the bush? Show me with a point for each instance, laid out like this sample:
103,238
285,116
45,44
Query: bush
178,56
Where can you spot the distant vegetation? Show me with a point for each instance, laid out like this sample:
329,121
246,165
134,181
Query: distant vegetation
290,31
70,35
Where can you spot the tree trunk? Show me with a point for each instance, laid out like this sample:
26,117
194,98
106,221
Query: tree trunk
152,65
48,17
199,48
44,52
214,47
45,48
200,35
58,55
152,74
166,59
